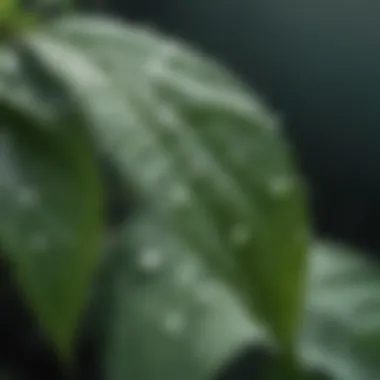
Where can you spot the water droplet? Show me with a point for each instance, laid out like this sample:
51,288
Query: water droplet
27,197
187,273
168,117
158,66
180,195
240,234
151,260
174,322
39,242
281,186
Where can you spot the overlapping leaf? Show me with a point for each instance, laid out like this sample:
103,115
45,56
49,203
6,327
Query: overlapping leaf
342,330
168,317
50,215
198,146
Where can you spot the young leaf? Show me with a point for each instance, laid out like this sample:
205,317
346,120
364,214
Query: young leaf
50,217
342,330
207,154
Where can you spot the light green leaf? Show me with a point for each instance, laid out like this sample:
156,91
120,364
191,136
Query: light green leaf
205,153
50,217
342,329
168,317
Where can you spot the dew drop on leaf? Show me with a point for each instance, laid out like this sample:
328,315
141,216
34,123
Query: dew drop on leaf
281,186
151,260
27,197
180,195
174,322
240,234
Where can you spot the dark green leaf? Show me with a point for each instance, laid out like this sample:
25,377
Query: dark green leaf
23,88
204,152
342,331
50,217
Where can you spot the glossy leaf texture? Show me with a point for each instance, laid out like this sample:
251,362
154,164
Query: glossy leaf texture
50,216
204,152
167,315
342,329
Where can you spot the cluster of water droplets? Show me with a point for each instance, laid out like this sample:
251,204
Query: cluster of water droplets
189,288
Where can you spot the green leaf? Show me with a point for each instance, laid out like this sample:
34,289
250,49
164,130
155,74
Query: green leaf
22,87
168,316
204,152
342,329
50,217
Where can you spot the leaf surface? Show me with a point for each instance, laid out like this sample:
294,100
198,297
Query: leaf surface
50,216
342,329
167,315
202,151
